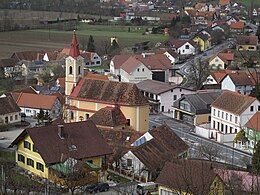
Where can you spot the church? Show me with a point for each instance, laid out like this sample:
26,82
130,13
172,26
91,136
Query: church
85,96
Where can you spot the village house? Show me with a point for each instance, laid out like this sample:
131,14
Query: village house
31,104
161,95
87,96
195,108
237,27
189,177
203,40
221,60
247,43
10,68
9,111
252,129
229,113
182,47
157,146
52,151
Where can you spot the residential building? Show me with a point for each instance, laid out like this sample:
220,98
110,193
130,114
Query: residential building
195,108
252,129
182,47
247,43
221,60
31,104
52,151
229,113
149,155
203,40
237,81
189,177
161,95
216,77
167,17
136,68
9,111
237,27
87,96
11,68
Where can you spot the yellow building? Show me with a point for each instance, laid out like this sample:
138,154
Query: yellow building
221,61
52,151
87,96
203,40
187,177
247,43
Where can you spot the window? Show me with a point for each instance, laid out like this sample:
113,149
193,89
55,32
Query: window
222,115
27,145
92,63
129,162
87,116
222,127
21,158
171,90
230,117
128,122
30,162
79,70
71,115
39,166
235,119
214,112
35,149
95,57
175,97
251,108
97,62
214,125
235,130
143,69
226,116
226,127
218,113
16,117
230,129
218,126
151,95
70,70
87,63
180,90
258,108
138,69
146,94
187,47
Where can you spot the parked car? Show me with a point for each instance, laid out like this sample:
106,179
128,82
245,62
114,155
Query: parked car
99,187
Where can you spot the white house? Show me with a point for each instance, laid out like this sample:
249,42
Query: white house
182,47
134,71
240,82
162,95
91,59
229,113
9,111
31,104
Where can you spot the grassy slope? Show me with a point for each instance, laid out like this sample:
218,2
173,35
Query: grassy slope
39,39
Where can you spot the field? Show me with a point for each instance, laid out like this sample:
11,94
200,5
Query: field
44,39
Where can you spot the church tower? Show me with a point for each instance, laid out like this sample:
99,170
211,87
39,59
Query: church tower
74,66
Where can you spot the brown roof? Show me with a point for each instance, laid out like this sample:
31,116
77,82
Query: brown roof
219,75
119,60
26,90
192,176
36,101
254,122
109,117
237,25
240,78
233,102
8,105
10,62
130,64
226,56
167,17
164,146
224,2
85,136
108,92
61,81
247,40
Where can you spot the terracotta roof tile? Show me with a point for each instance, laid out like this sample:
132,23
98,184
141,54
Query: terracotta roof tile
192,176
237,25
109,117
226,56
8,105
118,60
247,40
109,92
90,75
240,78
233,102
224,2
219,75
254,122
36,101
84,135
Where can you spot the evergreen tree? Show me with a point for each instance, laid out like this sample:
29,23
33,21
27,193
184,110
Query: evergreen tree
256,159
91,45
114,48
40,116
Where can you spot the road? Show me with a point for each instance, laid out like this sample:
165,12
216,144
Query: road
222,153
184,67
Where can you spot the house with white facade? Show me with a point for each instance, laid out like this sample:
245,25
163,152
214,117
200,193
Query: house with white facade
152,150
31,104
216,77
135,68
229,113
91,59
162,95
182,47
9,111
240,82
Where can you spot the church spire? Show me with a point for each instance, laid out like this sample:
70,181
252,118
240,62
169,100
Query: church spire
74,47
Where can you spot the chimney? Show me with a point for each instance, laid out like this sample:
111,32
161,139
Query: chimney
61,131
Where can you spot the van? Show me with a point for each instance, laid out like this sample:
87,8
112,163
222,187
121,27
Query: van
143,188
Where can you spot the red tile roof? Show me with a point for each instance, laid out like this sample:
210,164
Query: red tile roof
240,78
36,101
226,56
219,75
254,122
233,102
85,136
224,2
237,25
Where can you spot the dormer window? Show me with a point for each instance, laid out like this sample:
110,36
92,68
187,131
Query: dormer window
70,70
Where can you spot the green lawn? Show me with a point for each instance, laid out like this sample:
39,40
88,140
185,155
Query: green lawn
43,39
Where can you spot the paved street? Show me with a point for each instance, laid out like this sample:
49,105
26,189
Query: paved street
221,152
